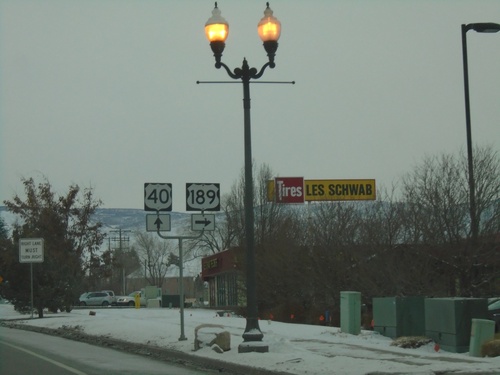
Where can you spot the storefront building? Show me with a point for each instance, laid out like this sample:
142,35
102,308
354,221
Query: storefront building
222,273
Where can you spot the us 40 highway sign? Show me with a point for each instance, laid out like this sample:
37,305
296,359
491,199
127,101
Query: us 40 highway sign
157,197
202,197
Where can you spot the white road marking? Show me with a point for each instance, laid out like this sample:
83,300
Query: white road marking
59,364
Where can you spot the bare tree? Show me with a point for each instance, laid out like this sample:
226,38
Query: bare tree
381,223
435,195
229,230
211,242
487,183
436,218
156,256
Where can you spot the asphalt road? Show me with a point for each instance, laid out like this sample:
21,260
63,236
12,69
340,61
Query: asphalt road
25,352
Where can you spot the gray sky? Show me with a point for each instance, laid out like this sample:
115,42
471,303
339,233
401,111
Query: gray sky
103,93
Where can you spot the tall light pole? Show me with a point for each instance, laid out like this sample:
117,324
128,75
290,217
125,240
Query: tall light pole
488,27
269,29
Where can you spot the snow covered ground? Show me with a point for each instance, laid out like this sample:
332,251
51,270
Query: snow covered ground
293,348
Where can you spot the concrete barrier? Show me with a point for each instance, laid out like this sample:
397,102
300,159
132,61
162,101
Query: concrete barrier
151,303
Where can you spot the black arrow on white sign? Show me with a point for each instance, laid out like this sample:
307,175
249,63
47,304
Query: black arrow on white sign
205,222
158,223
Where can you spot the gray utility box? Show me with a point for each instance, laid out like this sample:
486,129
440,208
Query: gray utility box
399,316
448,321
170,300
350,312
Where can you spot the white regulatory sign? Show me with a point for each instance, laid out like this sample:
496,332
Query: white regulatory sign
31,250
202,197
202,222
155,223
157,197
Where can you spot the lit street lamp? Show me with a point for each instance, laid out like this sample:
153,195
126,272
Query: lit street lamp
216,30
480,28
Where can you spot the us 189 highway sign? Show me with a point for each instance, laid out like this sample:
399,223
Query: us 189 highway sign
157,197
202,197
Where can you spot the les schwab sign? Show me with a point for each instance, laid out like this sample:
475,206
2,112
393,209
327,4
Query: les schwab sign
298,190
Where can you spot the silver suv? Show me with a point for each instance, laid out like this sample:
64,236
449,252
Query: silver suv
96,299
112,294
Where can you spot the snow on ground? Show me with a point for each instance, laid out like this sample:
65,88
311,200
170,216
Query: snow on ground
293,348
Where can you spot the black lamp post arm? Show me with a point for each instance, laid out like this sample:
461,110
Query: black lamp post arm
245,73
256,76
234,75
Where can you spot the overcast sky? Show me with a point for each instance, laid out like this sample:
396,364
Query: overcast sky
103,93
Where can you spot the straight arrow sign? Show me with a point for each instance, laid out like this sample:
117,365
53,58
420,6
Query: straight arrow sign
202,222
155,223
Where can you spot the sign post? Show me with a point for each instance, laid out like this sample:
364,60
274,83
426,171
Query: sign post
181,274
31,251
199,197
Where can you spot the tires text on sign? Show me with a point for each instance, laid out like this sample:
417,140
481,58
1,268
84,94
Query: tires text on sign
283,190
157,197
202,197
31,250
289,189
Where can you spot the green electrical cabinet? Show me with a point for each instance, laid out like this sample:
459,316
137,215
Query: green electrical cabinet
448,321
399,316
350,312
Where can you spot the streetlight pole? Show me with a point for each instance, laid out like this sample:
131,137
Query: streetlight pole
269,29
481,28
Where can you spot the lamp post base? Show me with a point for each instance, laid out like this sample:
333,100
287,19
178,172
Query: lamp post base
253,347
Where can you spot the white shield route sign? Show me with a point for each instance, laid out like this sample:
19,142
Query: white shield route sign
160,222
157,197
202,197
31,250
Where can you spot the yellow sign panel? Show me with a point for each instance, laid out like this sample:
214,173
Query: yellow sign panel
333,190
270,191
339,190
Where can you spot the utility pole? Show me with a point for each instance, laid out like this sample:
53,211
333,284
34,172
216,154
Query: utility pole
121,239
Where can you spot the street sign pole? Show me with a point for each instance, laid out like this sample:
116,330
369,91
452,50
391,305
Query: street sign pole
31,251
158,197
31,275
181,274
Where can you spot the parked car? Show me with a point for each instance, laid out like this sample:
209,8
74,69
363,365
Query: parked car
494,311
96,299
112,294
130,299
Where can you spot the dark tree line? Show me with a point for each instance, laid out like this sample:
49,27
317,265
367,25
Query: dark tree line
415,239
71,241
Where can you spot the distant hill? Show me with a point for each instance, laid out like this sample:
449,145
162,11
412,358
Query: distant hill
135,219
119,218
131,220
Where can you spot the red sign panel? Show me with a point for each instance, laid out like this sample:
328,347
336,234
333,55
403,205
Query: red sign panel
289,189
